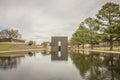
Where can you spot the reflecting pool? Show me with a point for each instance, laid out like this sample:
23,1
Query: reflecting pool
53,66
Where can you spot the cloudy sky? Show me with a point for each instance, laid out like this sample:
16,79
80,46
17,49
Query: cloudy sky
40,19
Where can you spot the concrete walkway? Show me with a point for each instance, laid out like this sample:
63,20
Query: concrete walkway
112,52
20,50
27,50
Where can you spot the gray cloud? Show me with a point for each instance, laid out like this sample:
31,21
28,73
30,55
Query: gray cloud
40,19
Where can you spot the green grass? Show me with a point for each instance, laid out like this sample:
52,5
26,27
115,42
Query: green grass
4,47
9,47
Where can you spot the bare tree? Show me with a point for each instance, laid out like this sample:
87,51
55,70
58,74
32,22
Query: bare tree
10,34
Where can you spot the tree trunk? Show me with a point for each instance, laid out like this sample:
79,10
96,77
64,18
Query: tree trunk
92,46
83,46
10,39
111,43
78,47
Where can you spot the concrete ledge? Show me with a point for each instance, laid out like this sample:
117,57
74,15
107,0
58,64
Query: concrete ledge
21,50
112,52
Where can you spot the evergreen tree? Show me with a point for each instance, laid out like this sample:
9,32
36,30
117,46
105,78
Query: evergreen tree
93,27
81,36
109,19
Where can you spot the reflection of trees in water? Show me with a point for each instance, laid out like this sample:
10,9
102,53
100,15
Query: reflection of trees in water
45,52
79,59
31,54
112,62
99,67
9,62
12,60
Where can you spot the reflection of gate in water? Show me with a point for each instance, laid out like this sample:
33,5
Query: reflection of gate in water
59,48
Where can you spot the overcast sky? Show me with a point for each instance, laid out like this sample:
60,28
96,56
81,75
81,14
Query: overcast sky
40,19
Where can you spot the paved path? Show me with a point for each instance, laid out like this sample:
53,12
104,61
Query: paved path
20,50
104,51
115,52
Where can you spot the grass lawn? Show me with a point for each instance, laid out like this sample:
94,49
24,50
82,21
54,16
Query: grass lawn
4,47
9,47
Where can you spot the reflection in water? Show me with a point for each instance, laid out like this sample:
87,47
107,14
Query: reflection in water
38,67
45,52
59,56
97,66
81,66
10,60
31,54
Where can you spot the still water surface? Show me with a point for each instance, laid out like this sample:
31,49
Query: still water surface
45,66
